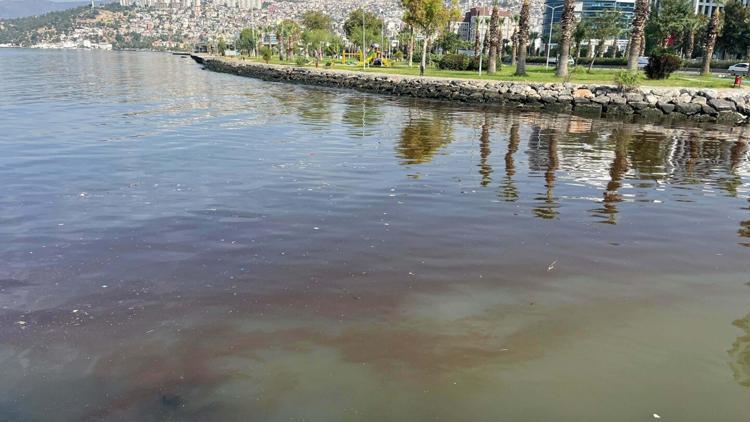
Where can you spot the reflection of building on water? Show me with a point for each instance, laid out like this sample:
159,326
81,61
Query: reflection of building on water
740,353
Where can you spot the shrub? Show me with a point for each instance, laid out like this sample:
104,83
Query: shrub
474,64
626,80
399,55
661,64
328,63
266,53
300,61
453,62
600,61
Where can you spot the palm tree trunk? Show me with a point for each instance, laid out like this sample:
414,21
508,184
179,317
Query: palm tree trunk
514,47
500,44
593,58
494,24
523,39
690,44
643,44
567,21
713,31
423,63
640,16
477,41
410,48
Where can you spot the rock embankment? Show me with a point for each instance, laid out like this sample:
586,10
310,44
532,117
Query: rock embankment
704,105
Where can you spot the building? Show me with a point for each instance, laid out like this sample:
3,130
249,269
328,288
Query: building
479,18
586,9
707,7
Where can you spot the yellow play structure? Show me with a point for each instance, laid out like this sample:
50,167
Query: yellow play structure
374,59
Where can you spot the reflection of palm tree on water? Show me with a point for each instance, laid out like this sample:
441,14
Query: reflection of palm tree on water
740,353
485,169
510,192
548,209
736,157
617,171
744,230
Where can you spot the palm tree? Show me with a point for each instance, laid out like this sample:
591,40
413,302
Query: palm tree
477,40
533,36
713,33
494,39
692,26
523,39
605,26
640,16
579,34
567,22
514,41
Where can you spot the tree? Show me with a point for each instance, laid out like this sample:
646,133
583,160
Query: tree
317,39
449,42
429,16
531,47
494,39
640,16
567,23
221,47
668,22
523,39
736,29
714,27
372,28
313,19
287,33
605,26
579,34
694,24
266,53
246,42
501,43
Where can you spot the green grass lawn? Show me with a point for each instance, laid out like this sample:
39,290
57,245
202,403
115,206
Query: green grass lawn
538,74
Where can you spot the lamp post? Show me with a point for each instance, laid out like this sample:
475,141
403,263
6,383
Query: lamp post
549,39
364,61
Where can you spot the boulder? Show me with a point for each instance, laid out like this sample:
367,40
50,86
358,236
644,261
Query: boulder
583,93
666,107
688,108
722,105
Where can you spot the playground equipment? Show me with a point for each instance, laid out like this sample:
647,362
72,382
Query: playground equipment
375,58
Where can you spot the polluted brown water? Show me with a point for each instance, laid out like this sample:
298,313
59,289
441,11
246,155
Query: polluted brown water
177,244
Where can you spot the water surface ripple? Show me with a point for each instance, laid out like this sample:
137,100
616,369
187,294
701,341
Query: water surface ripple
177,244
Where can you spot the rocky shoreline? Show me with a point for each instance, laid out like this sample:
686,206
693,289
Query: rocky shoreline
702,105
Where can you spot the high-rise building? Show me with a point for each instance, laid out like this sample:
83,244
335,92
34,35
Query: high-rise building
585,9
707,7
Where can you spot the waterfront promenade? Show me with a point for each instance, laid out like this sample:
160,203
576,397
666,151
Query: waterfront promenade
730,106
